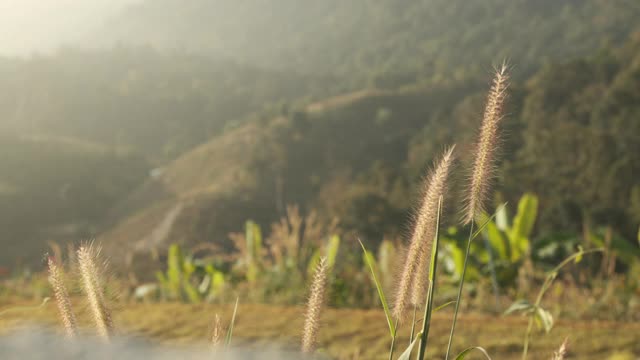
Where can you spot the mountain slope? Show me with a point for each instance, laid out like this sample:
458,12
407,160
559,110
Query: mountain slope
58,189
256,169
571,136
139,99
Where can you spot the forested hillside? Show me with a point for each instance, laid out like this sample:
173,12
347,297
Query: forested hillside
158,104
200,115
382,42
572,137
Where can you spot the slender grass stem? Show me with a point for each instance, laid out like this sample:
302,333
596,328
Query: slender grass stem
413,325
428,306
545,286
464,272
393,340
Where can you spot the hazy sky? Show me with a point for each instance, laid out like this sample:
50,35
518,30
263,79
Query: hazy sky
40,25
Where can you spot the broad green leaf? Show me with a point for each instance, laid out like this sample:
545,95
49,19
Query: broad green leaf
257,243
253,237
370,262
217,283
502,218
188,268
252,272
192,292
544,319
162,279
519,306
523,225
205,284
174,270
499,243
332,250
526,217
467,351
457,257
174,264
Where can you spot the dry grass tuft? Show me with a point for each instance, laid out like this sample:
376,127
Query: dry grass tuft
487,145
314,307
216,334
414,276
61,295
92,285
562,351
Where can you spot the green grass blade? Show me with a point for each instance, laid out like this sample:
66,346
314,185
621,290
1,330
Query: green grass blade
437,308
393,341
383,299
488,221
466,352
413,327
428,308
227,340
472,235
459,296
406,355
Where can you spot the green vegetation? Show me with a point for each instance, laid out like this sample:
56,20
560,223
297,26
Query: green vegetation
350,100
54,188
273,158
361,174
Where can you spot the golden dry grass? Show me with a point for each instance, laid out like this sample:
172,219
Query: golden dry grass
342,331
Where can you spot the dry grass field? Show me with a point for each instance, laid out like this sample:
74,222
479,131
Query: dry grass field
345,333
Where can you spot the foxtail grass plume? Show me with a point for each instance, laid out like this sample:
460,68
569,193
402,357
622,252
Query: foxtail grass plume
414,275
314,307
435,186
216,334
62,299
562,351
487,145
92,285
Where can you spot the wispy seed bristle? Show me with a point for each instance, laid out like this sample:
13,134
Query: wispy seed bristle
92,285
486,147
314,307
62,299
436,186
414,275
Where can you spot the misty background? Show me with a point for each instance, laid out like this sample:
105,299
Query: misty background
146,123
39,26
